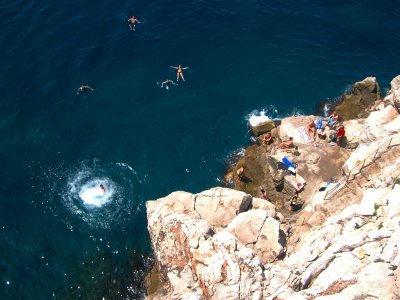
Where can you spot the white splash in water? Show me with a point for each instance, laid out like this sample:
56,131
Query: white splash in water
90,192
257,118
92,195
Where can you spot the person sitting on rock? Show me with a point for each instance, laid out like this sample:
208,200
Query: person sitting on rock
334,116
294,151
239,172
295,202
319,124
287,144
267,139
332,137
340,135
311,130
321,133
264,194
332,119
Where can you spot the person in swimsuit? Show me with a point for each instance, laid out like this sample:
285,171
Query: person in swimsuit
167,83
179,72
102,188
287,144
264,194
311,130
239,173
132,23
84,88
295,202
267,139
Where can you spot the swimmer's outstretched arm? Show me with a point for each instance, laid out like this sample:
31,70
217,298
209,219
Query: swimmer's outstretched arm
173,67
185,68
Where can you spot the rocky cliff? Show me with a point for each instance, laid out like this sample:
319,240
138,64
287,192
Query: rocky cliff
343,244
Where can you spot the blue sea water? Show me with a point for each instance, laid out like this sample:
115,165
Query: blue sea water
59,236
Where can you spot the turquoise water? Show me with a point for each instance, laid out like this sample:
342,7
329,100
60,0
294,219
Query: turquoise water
141,141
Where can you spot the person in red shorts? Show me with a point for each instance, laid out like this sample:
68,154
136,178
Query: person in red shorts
340,135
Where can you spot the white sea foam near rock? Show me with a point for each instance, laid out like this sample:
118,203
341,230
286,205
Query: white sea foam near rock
256,118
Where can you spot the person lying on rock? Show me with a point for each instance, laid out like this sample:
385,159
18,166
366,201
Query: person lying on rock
267,139
287,144
294,151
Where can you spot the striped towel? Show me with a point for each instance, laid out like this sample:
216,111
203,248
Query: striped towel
304,135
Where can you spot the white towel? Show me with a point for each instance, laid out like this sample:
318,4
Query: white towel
304,135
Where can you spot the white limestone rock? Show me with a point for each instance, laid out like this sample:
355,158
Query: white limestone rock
353,130
372,199
288,128
394,202
246,226
219,206
393,97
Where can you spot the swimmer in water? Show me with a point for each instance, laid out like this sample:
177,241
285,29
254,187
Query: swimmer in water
102,188
84,88
132,23
167,83
179,72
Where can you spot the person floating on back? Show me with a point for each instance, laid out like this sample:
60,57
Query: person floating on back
84,89
132,23
179,72
167,83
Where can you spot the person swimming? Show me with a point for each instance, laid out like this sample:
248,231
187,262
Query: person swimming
102,188
84,88
179,72
132,23
167,83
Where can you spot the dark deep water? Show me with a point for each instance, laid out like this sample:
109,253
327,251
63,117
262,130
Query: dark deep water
141,141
